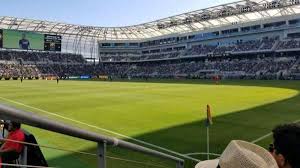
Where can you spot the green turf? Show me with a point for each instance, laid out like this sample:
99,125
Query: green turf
165,113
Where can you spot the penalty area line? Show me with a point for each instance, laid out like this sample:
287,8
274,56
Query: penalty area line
102,129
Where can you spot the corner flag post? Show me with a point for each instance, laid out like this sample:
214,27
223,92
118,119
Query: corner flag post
208,123
207,136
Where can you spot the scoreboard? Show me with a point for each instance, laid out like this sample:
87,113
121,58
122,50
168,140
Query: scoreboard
25,40
52,42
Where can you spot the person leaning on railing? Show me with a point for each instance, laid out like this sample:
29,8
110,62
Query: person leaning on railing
10,151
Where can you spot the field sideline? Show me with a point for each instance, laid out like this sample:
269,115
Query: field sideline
169,114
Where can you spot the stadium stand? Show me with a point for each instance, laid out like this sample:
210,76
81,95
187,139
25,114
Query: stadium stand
238,67
259,47
206,63
33,56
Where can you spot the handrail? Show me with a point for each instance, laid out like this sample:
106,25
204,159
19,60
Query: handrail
79,152
34,120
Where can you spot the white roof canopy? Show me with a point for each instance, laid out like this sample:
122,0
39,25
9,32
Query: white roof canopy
227,14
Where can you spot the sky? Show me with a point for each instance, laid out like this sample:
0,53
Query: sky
107,13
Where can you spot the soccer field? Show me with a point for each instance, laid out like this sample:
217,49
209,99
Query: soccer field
168,114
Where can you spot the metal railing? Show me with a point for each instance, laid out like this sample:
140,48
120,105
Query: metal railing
34,120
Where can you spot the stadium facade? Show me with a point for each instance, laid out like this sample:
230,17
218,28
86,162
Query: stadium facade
244,29
219,20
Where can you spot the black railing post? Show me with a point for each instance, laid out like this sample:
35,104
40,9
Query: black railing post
179,164
101,152
23,158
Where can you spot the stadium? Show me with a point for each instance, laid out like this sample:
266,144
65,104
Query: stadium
151,88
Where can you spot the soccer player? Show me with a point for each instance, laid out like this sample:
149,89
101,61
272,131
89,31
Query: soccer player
216,79
57,80
24,43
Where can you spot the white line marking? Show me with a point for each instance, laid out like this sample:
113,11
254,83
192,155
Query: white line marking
261,138
267,135
254,141
102,129
202,153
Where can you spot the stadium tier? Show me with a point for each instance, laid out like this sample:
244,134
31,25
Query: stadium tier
246,39
237,68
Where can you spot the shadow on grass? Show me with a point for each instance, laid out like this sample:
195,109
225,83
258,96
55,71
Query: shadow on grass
246,125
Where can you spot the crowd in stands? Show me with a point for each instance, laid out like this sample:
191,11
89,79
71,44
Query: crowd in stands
200,50
17,70
222,50
289,44
274,66
268,43
195,50
165,55
251,45
34,56
67,69
259,45
243,67
264,66
35,64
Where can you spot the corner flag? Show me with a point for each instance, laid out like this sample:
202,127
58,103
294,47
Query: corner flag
209,117
208,123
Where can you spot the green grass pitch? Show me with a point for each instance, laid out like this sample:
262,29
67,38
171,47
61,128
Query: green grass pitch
169,114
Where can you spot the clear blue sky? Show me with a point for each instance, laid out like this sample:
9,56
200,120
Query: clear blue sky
102,12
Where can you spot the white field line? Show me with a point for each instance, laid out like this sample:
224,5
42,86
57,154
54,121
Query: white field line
267,135
254,141
262,138
102,129
202,153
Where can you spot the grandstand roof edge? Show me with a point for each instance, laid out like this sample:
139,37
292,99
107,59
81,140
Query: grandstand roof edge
220,15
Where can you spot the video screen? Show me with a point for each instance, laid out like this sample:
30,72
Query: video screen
23,40
1,39
52,42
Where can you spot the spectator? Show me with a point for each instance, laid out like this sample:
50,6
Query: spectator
286,146
10,151
241,154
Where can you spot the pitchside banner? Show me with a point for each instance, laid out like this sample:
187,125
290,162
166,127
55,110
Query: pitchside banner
1,38
52,42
